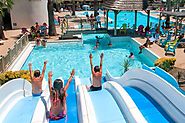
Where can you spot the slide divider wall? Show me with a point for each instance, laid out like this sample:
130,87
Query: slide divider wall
166,95
127,106
86,112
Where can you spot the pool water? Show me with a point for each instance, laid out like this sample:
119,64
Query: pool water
128,17
63,57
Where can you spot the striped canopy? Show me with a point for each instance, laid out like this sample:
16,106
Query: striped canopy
125,4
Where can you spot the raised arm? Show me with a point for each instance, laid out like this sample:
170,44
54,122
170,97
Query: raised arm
101,61
30,70
44,69
69,80
50,74
90,57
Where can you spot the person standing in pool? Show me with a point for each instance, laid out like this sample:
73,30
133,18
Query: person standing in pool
96,75
58,94
131,56
36,79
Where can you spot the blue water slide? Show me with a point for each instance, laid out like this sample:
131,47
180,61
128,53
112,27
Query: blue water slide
166,76
152,112
97,106
105,107
16,103
72,116
22,111
154,96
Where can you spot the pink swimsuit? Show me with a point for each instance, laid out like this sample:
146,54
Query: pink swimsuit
57,117
60,115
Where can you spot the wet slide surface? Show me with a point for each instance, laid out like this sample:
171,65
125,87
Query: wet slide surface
23,110
152,111
72,116
105,107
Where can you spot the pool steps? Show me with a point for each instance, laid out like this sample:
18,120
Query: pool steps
165,94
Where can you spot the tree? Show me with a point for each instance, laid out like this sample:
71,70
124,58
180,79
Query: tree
4,4
52,29
95,7
73,7
181,3
58,5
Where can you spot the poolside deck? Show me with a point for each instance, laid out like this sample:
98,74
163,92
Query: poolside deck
180,55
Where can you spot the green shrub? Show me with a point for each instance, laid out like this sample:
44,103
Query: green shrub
9,75
126,64
165,63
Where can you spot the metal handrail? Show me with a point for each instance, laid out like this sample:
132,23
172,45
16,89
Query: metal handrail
7,60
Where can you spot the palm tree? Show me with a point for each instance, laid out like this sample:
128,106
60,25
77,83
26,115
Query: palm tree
52,29
4,4
95,7
73,7
181,3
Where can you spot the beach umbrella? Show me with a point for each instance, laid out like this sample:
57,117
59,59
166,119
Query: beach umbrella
85,7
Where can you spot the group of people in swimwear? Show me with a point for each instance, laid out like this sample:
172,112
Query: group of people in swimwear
58,91
40,42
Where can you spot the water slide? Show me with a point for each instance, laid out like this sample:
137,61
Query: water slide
16,100
18,105
156,99
72,116
104,106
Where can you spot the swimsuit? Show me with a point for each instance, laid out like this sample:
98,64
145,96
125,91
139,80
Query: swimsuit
57,117
92,88
34,95
60,115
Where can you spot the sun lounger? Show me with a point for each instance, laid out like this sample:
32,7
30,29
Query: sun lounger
171,46
171,43
163,42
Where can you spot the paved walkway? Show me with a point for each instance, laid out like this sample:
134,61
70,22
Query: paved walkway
180,55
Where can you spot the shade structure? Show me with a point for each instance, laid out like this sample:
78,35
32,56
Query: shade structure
125,4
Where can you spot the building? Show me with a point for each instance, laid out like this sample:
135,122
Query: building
25,13
79,3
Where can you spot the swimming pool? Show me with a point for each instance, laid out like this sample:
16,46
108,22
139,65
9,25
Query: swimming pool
128,17
62,57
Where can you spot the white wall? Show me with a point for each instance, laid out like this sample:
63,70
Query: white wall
26,12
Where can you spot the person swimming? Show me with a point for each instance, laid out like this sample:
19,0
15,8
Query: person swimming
131,55
110,44
38,42
44,42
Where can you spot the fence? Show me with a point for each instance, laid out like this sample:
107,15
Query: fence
79,23
6,61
